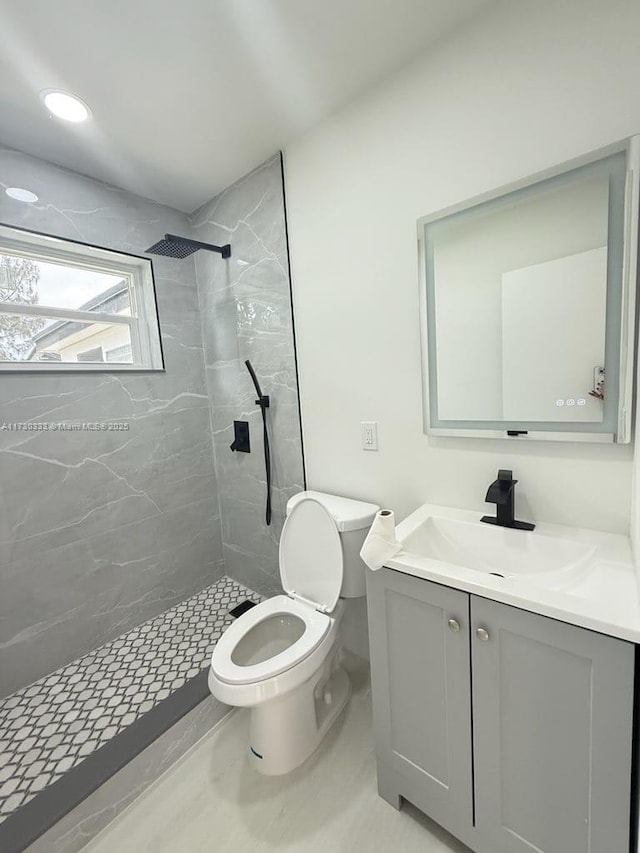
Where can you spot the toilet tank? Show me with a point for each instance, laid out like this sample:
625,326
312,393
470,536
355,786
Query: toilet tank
353,520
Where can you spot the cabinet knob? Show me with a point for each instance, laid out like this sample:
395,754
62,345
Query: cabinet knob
454,625
482,634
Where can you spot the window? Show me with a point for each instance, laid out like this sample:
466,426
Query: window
122,353
69,306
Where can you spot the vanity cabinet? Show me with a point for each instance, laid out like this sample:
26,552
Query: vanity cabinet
510,729
422,690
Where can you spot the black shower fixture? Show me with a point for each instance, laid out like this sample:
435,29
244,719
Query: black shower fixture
173,246
263,402
241,439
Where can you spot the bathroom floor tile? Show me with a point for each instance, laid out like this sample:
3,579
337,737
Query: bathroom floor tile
68,714
213,799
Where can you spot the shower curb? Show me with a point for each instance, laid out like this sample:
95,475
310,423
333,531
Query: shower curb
39,814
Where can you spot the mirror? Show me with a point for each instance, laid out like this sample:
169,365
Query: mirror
528,306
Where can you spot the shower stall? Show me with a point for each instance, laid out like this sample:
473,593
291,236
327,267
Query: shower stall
121,554
174,246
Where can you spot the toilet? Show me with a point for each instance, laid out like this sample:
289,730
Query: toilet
281,658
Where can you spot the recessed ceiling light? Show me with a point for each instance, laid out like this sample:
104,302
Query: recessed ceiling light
20,194
64,105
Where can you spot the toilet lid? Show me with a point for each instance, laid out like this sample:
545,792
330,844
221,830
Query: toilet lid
311,563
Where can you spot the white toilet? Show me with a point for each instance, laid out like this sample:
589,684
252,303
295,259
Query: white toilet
280,658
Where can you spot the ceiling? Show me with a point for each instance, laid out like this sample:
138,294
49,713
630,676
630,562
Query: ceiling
188,96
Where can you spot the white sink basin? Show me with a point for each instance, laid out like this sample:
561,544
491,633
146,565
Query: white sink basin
494,550
583,577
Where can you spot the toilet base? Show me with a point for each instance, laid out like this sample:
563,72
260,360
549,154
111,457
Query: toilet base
285,731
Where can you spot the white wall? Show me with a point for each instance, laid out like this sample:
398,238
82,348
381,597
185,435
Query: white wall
531,85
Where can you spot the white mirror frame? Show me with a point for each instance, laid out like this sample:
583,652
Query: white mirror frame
623,435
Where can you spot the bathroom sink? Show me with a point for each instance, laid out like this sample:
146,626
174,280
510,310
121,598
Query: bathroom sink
493,550
577,575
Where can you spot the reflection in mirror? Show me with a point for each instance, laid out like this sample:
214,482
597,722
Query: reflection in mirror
524,298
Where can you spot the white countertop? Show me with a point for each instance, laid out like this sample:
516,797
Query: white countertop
605,597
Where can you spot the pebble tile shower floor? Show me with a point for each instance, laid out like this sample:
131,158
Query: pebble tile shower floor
55,723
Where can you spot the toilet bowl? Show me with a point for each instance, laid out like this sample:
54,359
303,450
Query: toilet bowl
271,649
282,657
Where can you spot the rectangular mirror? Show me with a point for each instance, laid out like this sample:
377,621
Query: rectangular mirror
528,302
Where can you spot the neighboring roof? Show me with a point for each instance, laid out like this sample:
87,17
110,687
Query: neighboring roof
111,301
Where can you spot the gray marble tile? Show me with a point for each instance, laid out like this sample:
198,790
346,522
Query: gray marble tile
250,548
220,346
87,592
99,531
246,313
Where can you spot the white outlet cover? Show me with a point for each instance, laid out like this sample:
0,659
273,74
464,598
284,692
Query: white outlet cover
369,435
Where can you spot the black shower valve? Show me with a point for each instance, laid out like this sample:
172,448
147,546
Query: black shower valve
241,440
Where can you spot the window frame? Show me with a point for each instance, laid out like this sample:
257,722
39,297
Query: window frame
137,271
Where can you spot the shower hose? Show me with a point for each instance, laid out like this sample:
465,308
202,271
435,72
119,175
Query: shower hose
263,402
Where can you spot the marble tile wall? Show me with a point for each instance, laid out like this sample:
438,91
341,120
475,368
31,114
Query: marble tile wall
246,312
100,531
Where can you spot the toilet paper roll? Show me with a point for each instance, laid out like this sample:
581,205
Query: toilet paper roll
381,543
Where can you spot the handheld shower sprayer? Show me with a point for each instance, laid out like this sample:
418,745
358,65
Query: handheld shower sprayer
263,402
263,399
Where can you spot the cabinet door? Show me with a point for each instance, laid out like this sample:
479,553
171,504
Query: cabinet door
552,722
421,694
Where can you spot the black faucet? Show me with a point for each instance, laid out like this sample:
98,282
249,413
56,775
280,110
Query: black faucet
502,493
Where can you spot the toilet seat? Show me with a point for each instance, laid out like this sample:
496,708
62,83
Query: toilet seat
310,555
311,570
316,626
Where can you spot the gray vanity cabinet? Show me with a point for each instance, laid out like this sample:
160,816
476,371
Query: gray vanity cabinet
420,653
552,715
510,729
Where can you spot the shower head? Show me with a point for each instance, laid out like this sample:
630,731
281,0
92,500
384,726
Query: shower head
173,246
